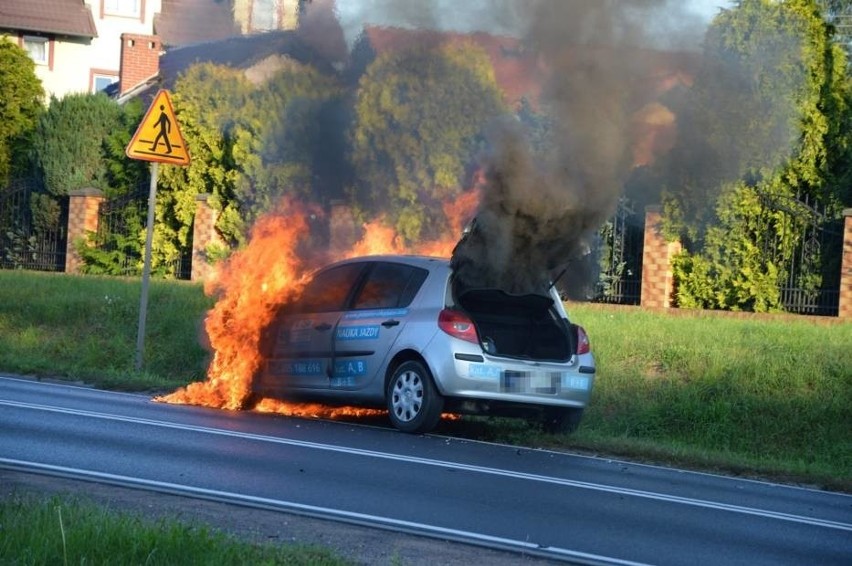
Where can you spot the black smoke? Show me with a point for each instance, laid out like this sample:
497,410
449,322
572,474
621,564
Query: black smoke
539,210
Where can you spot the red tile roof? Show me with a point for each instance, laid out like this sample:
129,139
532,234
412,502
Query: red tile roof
60,17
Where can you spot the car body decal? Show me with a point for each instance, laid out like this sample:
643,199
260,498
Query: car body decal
366,332
375,313
484,371
350,368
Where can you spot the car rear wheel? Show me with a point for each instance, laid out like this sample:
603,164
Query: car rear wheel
561,421
414,403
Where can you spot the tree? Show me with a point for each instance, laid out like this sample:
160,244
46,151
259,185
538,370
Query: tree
250,144
20,105
71,138
763,131
418,119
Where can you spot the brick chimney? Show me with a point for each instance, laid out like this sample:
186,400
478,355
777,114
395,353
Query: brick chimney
140,59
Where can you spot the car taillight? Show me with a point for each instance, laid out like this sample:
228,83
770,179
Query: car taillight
458,325
583,346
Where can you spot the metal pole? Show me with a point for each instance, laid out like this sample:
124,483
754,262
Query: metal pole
146,271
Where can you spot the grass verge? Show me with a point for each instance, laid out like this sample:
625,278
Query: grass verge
754,395
54,530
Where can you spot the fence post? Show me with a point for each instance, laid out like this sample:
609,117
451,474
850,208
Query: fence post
657,277
83,205
844,308
203,234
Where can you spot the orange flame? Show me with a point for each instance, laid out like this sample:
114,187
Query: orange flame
254,282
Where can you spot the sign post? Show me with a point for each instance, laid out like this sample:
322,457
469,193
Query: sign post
158,140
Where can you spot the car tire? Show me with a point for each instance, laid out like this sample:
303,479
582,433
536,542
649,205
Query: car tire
561,421
414,403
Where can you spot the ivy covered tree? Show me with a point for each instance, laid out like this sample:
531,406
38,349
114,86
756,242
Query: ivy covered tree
21,103
763,137
250,144
417,127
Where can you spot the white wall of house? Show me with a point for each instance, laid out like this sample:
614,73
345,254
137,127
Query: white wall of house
78,63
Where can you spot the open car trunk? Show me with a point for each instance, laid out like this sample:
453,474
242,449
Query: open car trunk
518,326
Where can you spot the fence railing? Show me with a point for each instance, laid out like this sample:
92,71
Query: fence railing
33,233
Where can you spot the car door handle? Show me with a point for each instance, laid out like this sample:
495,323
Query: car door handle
390,323
322,327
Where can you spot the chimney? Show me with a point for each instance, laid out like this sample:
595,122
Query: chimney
140,59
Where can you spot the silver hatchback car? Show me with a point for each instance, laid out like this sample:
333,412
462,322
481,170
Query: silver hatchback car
392,332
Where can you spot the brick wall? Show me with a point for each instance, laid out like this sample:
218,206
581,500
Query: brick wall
657,278
140,59
203,234
82,218
845,305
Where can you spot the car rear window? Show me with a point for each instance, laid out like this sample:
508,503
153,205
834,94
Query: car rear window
390,285
329,289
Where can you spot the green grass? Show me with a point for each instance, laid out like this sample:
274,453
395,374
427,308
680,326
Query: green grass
55,530
756,395
85,328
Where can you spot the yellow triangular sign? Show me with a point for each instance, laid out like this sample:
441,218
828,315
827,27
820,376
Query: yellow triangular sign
158,136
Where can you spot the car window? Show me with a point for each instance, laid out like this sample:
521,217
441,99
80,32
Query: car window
390,285
329,289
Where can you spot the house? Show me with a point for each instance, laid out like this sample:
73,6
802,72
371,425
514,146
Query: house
93,45
76,44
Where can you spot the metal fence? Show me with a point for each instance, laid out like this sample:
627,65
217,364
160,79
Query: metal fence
619,256
122,223
33,227
812,272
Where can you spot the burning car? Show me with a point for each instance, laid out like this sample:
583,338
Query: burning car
397,332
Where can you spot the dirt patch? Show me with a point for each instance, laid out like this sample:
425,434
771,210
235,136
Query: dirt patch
359,544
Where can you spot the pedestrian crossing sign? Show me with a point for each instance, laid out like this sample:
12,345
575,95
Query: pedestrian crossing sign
158,136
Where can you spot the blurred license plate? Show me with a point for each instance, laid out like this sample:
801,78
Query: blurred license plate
527,382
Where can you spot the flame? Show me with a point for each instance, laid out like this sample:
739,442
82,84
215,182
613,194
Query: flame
255,281
378,239
251,285
314,410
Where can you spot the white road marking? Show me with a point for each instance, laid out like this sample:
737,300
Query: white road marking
447,464
320,512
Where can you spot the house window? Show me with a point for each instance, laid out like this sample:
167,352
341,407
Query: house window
264,15
101,81
38,49
129,8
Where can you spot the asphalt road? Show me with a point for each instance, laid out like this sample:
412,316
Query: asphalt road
547,504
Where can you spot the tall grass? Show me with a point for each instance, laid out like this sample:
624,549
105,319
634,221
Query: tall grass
86,328
54,530
771,393
752,394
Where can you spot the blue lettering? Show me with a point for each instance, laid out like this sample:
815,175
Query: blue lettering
357,332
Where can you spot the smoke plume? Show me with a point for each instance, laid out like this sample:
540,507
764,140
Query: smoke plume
599,60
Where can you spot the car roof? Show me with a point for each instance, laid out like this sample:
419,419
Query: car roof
426,262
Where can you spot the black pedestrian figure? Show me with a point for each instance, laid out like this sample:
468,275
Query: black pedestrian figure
165,126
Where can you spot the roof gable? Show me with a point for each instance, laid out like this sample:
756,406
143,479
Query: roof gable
60,17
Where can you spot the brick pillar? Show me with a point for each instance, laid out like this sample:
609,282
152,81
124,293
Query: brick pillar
657,278
203,234
342,228
844,309
82,218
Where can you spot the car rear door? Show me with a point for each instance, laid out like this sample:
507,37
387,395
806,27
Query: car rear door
301,355
367,331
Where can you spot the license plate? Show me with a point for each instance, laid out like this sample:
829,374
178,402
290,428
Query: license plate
527,382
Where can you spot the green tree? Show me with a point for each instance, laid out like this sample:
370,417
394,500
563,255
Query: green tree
249,144
418,119
21,103
71,138
763,130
